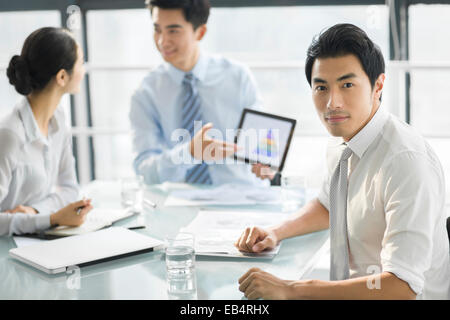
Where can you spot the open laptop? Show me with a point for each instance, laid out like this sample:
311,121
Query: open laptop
57,256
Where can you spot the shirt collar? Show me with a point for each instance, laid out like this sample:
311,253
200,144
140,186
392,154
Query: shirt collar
31,128
362,140
199,70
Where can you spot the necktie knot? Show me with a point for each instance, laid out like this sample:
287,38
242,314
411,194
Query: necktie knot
189,79
346,154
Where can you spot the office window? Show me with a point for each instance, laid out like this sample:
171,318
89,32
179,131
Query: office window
428,34
428,43
260,37
23,23
116,38
282,35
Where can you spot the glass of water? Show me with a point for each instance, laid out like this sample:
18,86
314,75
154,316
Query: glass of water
293,192
180,266
131,192
182,287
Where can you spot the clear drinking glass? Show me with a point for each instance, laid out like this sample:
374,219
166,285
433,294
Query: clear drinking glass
293,192
180,266
182,287
131,193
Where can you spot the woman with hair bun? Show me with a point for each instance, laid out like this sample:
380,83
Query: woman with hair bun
38,185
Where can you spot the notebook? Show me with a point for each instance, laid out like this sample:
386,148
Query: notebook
57,256
96,219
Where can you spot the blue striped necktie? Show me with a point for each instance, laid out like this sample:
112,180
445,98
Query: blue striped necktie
191,112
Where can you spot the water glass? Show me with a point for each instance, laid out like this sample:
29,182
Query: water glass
180,266
182,287
293,192
131,192
180,254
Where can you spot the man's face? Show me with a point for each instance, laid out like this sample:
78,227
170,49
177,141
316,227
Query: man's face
175,37
343,95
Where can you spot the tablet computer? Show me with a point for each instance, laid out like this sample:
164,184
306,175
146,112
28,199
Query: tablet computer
264,138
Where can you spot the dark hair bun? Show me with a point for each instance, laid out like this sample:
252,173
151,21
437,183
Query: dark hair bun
45,52
19,75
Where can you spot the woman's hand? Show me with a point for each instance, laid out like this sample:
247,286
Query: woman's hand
72,215
22,209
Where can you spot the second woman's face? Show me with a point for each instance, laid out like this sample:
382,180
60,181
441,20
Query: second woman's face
77,73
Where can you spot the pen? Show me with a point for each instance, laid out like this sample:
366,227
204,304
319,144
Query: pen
136,227
79,210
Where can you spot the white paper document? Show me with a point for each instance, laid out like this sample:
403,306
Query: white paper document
217,231
227,194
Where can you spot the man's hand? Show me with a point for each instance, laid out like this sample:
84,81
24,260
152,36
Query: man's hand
205,148
69,215
262,171
22,209
256,240
256,284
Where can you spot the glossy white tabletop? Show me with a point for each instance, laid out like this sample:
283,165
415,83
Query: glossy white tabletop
144,276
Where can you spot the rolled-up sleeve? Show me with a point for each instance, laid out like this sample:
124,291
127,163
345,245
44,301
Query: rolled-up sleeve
412,202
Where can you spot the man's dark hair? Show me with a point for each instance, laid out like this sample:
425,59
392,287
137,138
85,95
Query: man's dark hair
195,12
343,39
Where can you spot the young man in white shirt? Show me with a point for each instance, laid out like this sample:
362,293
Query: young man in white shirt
392,215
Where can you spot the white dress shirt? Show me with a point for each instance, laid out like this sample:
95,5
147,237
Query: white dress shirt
35,171
395,206
225,88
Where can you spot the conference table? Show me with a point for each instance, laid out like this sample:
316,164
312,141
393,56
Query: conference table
143,276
